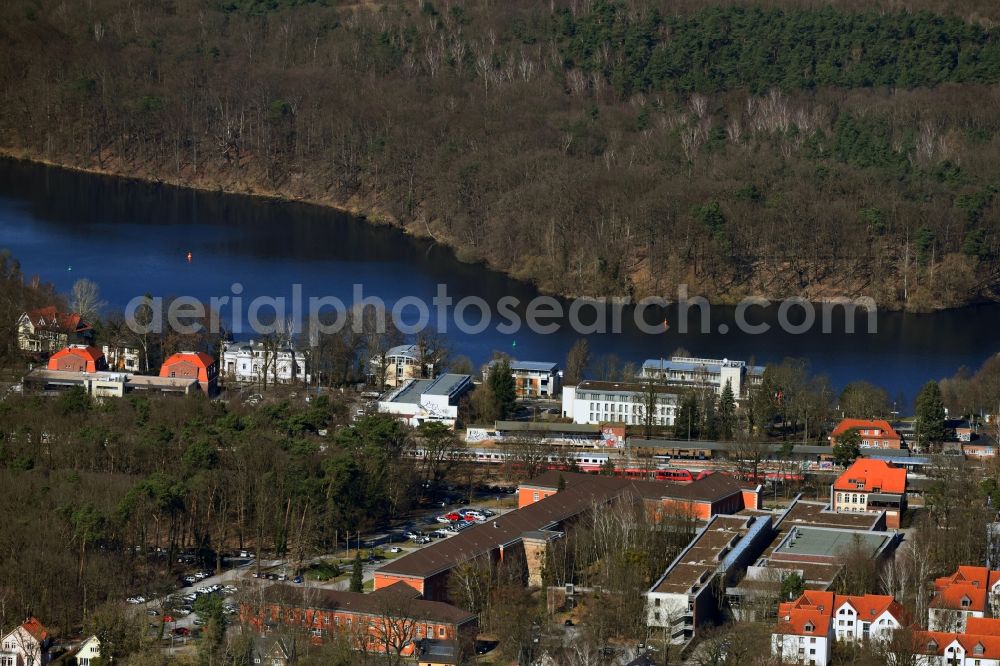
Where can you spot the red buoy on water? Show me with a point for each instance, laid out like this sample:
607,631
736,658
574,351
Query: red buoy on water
189,257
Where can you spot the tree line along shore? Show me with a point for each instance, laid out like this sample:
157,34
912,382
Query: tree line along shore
600,148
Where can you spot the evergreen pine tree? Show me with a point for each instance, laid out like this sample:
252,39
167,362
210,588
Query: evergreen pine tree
687,421
357,575
930,416
727,412
504,390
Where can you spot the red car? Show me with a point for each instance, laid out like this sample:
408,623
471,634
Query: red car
182,631
453,516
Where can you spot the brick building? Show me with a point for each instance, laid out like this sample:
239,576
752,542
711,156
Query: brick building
78,358
193,365
393,619
544,514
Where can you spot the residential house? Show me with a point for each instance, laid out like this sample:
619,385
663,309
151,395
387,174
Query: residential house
419,401
391,619
532,379
26,645
685,372
874,433
78,358
249,361
970,592
808,626
619,402
402,362
978,645
46,330
871,485
193,365
122,357
88,651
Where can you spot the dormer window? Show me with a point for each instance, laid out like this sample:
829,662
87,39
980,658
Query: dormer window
809,627
932,645
965,602
978,649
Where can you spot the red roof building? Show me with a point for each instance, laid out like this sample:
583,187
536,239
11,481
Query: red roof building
978,645
46,330
971,593
875,433
78,358
193,365
808,626
393,620
870,485
28,643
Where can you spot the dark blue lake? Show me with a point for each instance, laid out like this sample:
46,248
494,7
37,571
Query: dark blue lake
133,238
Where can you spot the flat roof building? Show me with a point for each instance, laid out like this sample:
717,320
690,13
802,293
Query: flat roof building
687,372
684,597
619,402
418,401
532,379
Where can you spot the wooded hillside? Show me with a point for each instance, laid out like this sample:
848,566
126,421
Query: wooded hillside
778,148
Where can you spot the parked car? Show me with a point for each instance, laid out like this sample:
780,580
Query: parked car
189,579
152,611
395,549
182,631
297,580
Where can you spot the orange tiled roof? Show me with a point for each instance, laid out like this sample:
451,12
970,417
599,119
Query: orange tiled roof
51,319
91,354
805,622
200,359
982,626
978,576
886,430
36,629
871,606
941,640
952,596
793,615
872,474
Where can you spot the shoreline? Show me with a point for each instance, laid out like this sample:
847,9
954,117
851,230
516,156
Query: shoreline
373,215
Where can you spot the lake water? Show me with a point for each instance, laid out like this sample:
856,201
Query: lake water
134,238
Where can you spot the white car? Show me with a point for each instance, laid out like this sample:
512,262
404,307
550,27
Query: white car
395,549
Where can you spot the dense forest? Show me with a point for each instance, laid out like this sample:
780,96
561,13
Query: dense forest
593,147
